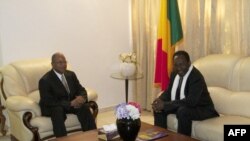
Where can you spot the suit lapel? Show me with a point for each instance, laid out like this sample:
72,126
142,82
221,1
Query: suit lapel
58,81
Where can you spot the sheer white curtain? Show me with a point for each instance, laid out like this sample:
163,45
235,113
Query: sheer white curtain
215,26
144,28
209,27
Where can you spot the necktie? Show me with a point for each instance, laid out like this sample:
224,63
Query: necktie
64,81
178,91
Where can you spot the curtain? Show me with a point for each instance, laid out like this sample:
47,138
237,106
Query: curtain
215,26
209,27
144,35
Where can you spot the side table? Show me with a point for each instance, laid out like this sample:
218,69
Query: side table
126,78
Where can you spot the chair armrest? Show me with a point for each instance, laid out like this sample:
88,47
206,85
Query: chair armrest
94,108
22,103
92,95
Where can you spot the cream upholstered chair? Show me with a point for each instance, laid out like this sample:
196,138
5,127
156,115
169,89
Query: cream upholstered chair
20,96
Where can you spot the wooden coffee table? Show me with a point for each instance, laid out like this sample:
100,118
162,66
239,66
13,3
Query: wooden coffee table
93,135
172,136
80,136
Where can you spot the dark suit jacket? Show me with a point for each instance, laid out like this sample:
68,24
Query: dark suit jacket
196,93
53,92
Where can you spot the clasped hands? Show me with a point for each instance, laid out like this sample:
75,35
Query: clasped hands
78,101
158,105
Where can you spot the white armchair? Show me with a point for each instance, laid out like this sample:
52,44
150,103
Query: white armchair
20,96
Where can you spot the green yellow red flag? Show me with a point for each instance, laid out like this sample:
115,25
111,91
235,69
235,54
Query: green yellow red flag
169,33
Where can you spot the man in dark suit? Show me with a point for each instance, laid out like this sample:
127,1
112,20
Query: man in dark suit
61,93
187,96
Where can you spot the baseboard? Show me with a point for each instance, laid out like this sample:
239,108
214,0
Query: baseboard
107,109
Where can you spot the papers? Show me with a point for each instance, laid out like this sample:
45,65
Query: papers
109,128
150,134
108,132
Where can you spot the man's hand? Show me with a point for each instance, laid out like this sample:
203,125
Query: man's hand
158,105
78,101
75,104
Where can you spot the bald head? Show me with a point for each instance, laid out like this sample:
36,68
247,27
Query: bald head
56,55
58,62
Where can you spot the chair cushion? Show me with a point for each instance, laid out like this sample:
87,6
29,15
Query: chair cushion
71,121
31,71
212,69
35,95
212,129
22,77
230,102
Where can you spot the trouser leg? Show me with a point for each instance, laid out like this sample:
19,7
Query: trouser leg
185,116
184,126
160,119
85,118
58,118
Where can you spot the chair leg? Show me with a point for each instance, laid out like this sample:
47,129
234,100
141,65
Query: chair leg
2,121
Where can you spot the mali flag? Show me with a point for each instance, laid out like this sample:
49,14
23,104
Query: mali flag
169,33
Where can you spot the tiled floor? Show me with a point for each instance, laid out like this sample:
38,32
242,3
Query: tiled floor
108,117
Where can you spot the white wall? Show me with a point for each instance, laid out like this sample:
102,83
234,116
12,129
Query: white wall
91,34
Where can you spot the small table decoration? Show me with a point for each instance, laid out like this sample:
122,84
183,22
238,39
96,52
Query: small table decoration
128,120
128,65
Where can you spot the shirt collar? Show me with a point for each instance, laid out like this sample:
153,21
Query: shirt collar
58,74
